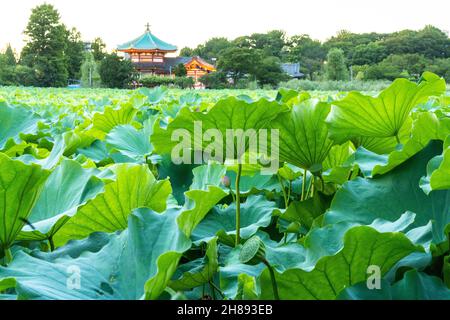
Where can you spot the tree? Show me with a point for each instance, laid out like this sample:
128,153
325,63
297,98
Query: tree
7,67
272,43
186,52
348,41
90,77
215,80
269,71
212,48
433,43
399,66
45,49
310,53
430,42
209,51
74,53
371,53
238,62
441,67
115,72
180,70
7,75
10,57
98,49
336,68
25,76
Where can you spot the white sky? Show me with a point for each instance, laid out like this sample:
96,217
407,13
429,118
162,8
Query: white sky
191,22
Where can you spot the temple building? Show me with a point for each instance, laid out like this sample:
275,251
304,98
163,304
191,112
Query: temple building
148,54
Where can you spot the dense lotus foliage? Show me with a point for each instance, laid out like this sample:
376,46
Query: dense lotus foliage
92,207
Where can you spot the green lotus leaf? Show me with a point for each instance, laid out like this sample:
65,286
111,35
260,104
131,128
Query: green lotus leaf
60,145
97,151
256,212
254,183
15,121
303,135
328,240
20,186
305,212
390,195
363,247
103,123
202,196
198,204
154,95
289,172
197,272
68,187
335,166
358,115
246,288
229,113
207,175
130,142
386,145
438,171
180,176
117,271
319,243
134,187
414,286
426,127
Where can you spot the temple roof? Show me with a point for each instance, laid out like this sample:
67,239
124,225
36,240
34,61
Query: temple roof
147,41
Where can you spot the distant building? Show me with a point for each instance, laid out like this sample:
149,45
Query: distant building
292,69
148,54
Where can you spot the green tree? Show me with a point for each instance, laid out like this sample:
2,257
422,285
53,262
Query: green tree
348,41
90,78
441,67
371,53
186,52
336,68
430,42
433,43
238,62
272,42
212,48
7,72
215,80
98,49
180,70
410,65
269,72
74,53
310,53
25,76
10,56
7,67
45,49
115,72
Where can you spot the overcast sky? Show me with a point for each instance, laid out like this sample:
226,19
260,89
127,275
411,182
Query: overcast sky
191,22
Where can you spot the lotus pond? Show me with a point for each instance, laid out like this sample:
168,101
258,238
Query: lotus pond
92,205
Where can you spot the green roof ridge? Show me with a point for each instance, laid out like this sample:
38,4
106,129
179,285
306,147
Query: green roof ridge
147,41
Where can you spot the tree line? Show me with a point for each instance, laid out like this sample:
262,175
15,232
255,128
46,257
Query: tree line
55,55
345,56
